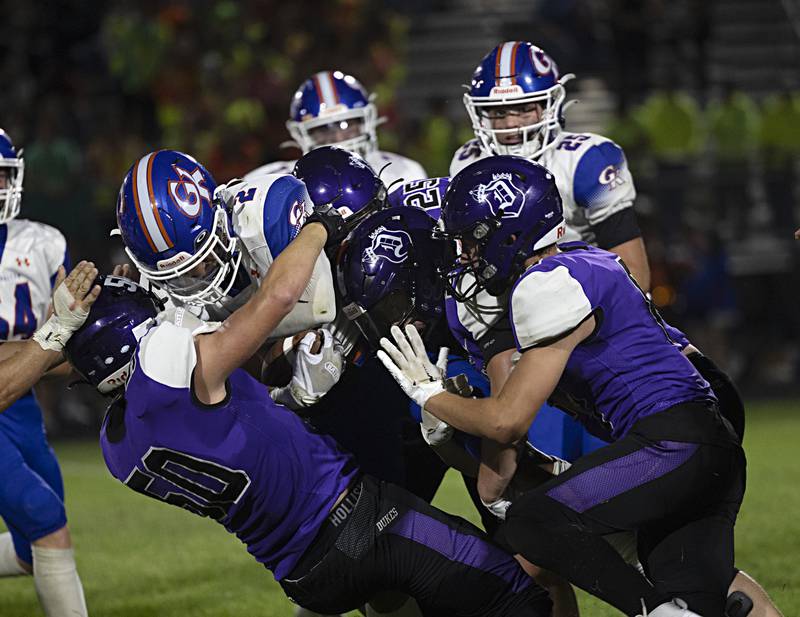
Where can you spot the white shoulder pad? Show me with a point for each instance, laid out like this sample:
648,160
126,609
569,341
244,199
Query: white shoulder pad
465,155
395,167
32,235
167,355
545,305
182,317
317,305
276,167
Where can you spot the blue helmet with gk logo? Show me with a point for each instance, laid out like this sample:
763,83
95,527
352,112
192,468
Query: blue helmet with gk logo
12,165
389,272
501,210
344,180
331,108
174,231
520,76
102,348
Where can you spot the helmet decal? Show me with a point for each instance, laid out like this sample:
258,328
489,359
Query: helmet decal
389,244
503,197
189,192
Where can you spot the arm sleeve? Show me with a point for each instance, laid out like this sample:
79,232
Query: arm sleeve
617,229
546,306
602,184
498,338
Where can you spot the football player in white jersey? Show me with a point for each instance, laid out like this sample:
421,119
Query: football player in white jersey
333,109
516,103
32,490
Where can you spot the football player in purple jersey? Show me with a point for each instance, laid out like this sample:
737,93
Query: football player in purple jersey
190,428
585,332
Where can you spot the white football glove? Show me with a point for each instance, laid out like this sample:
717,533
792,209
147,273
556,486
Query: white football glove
313,374
69,308
410,366
498,507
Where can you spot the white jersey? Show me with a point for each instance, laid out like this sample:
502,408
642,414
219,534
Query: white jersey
267,214
395,167
30,254
591,173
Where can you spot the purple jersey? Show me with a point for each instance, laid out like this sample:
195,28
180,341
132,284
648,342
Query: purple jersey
629,367
246,462
427,194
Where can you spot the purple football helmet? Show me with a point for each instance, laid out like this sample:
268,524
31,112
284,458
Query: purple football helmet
331,108
174,231
389,272
344,180
516,73
101,351
14,167
501,209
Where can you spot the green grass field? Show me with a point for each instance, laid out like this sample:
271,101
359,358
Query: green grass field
140,558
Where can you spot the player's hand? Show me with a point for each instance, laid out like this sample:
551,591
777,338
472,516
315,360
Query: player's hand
316,372
333,222
317,366
408,363
72,299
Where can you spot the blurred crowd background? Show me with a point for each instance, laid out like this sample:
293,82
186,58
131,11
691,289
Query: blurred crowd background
704,96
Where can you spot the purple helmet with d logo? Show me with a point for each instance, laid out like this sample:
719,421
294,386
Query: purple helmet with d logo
344,180
501,209
101,351
389,272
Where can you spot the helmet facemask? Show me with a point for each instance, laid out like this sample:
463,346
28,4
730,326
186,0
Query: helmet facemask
536,138
11,194
205,277
310,134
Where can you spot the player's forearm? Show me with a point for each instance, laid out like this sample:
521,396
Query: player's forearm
634,255
498,465
20,371
484,417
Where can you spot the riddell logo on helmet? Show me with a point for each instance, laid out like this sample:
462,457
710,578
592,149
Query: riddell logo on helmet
503,90
165,264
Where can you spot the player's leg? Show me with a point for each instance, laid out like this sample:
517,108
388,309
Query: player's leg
31,503
763,606
392,540
559,526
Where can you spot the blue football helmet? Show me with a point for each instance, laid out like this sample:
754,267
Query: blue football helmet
516,73
344,180
331,108
14,167
102,349
174,231
389,272
501,210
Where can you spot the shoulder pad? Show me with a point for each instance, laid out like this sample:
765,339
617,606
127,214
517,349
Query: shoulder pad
545,305
466,154
276,167
167,355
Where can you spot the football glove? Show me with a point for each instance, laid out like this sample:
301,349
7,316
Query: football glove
71,302
332,221
313,374
410,366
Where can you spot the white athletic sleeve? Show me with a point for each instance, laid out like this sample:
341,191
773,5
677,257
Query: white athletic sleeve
547,305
